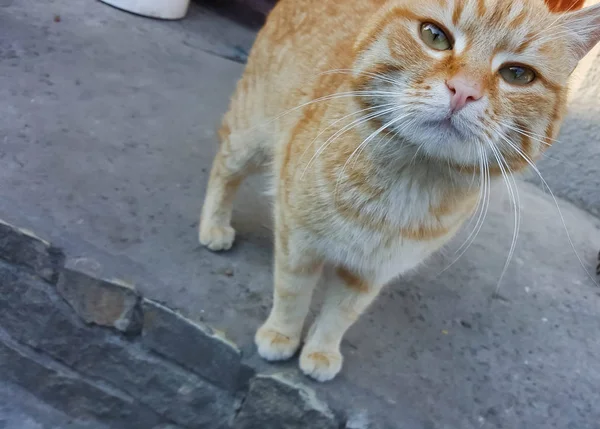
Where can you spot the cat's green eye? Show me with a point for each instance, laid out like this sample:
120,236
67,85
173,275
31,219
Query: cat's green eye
435,37
517,75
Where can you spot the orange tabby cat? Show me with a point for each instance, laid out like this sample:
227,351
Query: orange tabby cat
383,124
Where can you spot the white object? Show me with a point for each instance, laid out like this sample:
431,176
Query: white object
163,9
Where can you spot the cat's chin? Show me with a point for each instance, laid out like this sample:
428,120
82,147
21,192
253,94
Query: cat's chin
442,140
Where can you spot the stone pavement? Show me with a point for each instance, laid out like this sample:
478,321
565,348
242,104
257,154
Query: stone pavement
107,130
19,409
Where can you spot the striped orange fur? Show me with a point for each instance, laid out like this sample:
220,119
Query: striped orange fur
564,5
383,124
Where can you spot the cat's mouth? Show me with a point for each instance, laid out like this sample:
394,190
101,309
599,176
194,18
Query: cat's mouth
447,125
445,137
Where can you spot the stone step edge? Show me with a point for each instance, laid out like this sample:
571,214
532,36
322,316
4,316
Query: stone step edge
118,310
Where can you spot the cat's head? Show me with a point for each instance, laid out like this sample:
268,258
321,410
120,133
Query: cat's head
471,79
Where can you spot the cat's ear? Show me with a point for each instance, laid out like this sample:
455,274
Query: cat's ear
582,30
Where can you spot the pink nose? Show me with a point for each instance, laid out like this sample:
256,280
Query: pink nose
462,92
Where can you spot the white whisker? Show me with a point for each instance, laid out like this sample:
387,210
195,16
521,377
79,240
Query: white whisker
365,142
514,194
343,130
364,73
537,171
335,96
481,209
524,132
387,105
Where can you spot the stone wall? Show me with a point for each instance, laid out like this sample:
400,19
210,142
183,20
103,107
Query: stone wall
96,349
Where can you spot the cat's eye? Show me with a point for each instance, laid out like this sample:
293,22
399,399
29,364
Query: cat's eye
435,37
517,75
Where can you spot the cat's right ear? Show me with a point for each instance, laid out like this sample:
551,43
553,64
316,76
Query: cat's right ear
582,30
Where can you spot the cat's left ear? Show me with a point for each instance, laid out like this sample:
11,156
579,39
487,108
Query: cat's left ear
582,29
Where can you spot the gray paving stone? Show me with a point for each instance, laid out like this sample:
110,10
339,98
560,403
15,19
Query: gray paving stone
106,303
275,402
68,391
22,247
177,394
32,312
20,409
193,345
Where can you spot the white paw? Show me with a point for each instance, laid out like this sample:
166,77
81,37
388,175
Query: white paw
217,237
320,365
273,345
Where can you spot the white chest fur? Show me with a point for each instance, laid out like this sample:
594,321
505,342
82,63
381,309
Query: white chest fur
384,252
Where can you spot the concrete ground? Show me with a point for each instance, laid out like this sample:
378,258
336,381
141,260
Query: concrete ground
107,130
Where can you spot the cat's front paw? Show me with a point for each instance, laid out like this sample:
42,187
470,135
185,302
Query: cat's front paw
319,364
273,345
216,237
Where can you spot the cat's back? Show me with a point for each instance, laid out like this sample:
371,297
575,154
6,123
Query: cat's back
301,40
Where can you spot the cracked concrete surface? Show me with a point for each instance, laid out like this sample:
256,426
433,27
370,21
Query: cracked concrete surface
107,130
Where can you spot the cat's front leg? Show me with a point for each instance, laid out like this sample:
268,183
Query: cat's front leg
296,275
215,231
347,296
238,156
